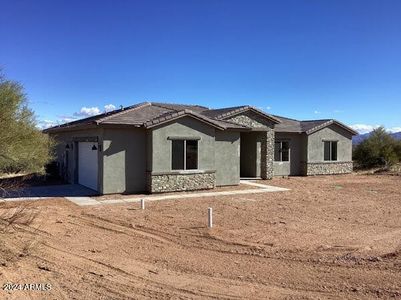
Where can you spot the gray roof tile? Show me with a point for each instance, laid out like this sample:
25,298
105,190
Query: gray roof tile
308,126
149,114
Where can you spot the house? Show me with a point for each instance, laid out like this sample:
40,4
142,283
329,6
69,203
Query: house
160,147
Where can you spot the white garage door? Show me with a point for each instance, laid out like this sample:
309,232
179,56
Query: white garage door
87,164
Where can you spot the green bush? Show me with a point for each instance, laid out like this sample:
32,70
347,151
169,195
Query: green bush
23,147
380,149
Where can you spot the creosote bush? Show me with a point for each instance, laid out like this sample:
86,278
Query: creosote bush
23,147
380,149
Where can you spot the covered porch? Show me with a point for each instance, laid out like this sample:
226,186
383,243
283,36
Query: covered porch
256,154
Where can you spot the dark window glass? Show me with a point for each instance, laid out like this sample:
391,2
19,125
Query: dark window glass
327,150
333,150
285,151
178,155
282,151
277,149
192,155
330,150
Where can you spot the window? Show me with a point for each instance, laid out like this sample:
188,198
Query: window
282,151
330,150
184,154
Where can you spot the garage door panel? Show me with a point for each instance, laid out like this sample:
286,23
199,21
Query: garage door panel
88,164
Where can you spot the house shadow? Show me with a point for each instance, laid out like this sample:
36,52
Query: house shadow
60,190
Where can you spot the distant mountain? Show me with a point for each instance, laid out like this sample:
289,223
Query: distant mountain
357,139
360,137
397,135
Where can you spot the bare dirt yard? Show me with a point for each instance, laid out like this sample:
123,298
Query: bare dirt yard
328,237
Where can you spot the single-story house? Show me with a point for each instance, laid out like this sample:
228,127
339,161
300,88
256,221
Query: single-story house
161,147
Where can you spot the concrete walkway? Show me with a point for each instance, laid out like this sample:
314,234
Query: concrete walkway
262,189
81,195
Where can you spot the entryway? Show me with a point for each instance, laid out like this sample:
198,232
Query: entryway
250,154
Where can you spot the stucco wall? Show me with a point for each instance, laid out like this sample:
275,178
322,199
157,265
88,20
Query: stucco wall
124,159
184,127
297,152
330,133
62,138
227,160
316,165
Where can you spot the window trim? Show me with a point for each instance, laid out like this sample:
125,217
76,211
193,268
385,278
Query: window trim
185,153
281,152
330,150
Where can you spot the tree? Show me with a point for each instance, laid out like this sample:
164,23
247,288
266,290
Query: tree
23,147
380,149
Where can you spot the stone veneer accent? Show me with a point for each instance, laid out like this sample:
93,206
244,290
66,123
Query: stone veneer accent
253,120
181,181
267,155
250,119
328,168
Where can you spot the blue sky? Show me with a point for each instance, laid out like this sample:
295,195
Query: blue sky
302,59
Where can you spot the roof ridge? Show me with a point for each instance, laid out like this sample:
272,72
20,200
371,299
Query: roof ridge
281,117
316,120
235,110
161,104
123,111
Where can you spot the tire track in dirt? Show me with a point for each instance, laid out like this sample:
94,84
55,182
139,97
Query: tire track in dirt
117,228
143,233
247,252
171,240
82,264
141,279
242,249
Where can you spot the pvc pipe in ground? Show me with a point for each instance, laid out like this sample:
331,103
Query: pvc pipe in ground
142,203
209,217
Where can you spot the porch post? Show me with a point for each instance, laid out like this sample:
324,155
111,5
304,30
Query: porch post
267,154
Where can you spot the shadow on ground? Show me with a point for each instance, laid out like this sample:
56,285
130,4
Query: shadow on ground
62,190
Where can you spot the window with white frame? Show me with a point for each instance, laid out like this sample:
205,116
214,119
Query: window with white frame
282,151
330,150
184,155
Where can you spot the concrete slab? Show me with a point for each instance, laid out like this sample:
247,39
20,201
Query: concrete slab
264,186
83,201
80,195
262,189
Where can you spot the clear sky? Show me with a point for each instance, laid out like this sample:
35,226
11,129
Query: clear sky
303,59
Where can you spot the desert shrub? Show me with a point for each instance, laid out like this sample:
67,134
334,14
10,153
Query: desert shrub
23,147
20,215
380,149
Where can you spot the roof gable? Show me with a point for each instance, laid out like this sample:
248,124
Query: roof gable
166,118
328,123
308,126
226,113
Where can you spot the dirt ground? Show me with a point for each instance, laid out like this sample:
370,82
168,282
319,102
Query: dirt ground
328,238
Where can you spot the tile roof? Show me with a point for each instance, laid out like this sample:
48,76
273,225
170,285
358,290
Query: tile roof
308,126
150,114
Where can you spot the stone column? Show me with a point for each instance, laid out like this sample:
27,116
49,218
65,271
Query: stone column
267,154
